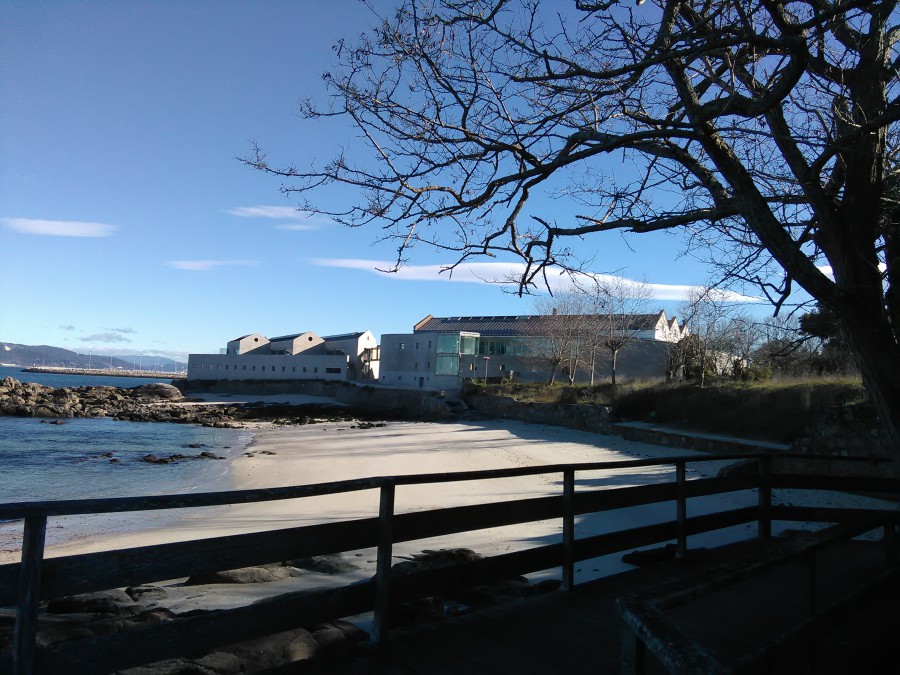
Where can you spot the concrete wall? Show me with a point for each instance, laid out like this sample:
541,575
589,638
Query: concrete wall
230,367
354,347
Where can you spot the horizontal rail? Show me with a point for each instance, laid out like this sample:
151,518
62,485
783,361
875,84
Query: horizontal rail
75,574
644,614
12,511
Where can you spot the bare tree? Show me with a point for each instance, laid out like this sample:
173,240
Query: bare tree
558,335
619,307
712,322
764,129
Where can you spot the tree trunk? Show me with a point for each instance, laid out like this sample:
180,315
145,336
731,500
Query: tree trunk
878,360
615,353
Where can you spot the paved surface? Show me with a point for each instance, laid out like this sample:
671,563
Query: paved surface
580,632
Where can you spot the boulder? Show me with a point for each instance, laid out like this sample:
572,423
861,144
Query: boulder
325,564
160,390
245,575
146,593
105,602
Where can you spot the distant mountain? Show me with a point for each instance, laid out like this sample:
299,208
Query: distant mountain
44,355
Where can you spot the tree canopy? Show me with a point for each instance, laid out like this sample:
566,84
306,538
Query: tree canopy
764,130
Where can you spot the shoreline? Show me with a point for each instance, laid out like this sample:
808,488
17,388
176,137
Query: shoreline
325,452
277,456
88,532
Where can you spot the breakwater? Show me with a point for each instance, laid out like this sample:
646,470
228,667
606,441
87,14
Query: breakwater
165,375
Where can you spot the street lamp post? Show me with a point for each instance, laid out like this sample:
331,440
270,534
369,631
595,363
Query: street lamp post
487,361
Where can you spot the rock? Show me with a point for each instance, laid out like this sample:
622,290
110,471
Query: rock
301,647
169,667
245,575
650,556
225,663
352,632
105,602
158,390
146,593
328,635
326,564
432,559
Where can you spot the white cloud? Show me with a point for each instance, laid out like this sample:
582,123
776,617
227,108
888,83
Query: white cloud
265,212
105,337
59,228
207,265
297,227
503,273
302,222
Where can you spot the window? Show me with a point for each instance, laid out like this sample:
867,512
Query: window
273,369
428,365
245,367
402,346
316,369
417,366
254,367
429,344
283,368
417,345
448,344
304,369
293,369
502,367
468,344
447,365
471,367
332,370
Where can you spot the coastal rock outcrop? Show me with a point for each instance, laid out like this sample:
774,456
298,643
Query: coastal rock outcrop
146,403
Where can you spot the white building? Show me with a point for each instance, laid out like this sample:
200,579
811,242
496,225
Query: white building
300,356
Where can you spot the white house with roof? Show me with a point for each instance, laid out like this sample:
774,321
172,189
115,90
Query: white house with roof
443,352
299,356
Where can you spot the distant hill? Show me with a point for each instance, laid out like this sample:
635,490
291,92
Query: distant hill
45,355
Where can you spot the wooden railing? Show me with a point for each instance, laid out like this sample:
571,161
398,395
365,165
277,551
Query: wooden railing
37,579
648,629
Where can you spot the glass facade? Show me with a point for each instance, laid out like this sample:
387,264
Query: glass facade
447,364
448,343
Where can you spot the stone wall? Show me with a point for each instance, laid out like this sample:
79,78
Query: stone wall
584,417
405,403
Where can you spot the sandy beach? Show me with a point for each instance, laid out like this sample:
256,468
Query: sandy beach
318,453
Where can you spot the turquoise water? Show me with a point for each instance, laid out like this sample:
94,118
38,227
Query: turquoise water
40,461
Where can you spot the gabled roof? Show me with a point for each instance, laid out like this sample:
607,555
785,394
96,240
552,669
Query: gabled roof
345,336
294,336
527,324
238,339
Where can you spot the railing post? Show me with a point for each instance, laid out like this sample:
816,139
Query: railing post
813,582
890,543
568,561
383,568
633,655
681,509
25,634
765,497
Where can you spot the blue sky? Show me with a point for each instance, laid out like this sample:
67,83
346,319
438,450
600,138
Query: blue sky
127,225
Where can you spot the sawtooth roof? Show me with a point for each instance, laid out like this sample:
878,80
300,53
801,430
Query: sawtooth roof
524,325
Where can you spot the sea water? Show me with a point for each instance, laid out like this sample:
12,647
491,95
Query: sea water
43,461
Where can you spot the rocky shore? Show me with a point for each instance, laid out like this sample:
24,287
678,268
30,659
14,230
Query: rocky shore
151,403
